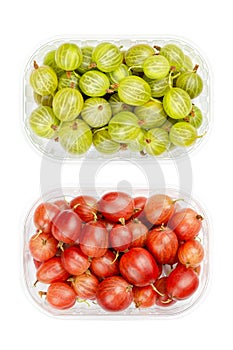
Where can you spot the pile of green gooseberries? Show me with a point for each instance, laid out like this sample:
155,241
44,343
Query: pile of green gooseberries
103,96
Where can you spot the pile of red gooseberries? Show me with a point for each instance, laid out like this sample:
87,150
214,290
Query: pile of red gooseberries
114,251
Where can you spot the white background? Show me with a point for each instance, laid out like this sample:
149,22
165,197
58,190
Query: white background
25,25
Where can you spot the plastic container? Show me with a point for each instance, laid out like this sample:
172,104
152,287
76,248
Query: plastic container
54,150
92,310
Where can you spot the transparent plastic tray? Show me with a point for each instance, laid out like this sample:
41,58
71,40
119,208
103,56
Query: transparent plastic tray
54,150
84,311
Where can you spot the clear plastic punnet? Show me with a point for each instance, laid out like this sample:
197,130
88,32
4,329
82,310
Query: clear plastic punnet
84,308
52,148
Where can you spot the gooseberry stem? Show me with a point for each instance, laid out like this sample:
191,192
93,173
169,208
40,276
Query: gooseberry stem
171,77
110,91
200,136
37,235
41,293
35,283
162,227
97,130
198,216
35,65
71,279
133,67
83,301
156,47
114,86
122,221
166,301
95,216
175,76
60,246
156,290
116,257
197,238
68,74
129,288
142,153
76,74
177,200
76,206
